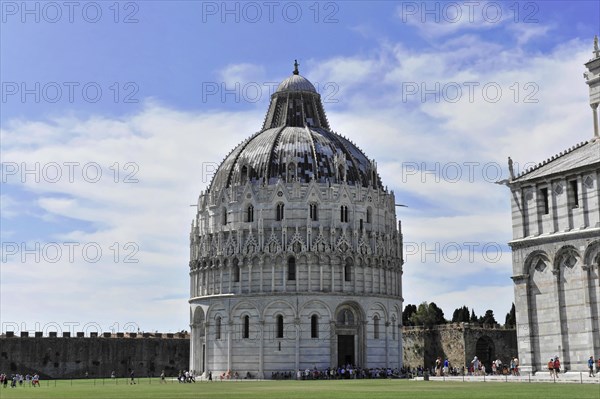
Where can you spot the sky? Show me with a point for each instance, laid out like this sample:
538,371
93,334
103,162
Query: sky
115,114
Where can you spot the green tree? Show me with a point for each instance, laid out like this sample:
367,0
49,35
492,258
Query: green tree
409,310
511,317
439,313
461,315
488,318
428,315
474,318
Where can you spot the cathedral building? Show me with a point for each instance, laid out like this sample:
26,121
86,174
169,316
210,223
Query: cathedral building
556,251
295,251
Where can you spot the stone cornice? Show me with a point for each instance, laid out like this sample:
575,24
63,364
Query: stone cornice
554,237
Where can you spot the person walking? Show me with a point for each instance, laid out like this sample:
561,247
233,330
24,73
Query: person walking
591,365
551,367
556,366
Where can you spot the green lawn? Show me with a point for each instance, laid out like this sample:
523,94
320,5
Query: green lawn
354,389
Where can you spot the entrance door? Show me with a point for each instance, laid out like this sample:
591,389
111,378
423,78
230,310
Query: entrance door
345,350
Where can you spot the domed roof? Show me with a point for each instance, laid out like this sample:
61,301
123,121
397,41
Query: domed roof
296,83
296,144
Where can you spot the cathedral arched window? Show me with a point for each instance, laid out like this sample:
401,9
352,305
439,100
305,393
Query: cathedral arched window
291,270
314,326
279,212
279,326
218,328
246,327
348,270
369,215
344,214
376,327
250,213
314,209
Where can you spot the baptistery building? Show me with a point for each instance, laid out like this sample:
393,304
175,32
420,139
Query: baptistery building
295,251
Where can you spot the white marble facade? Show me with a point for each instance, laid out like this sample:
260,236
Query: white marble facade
556,252
295,252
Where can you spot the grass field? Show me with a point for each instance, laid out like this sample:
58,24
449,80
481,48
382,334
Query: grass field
354,389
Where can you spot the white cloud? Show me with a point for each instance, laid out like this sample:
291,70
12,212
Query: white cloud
242,73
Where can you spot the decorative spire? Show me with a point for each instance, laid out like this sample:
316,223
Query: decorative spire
596,48
296,67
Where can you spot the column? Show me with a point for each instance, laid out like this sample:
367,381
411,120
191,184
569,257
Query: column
297,357
261,263
283,276
272,276
229,332
261,359
561,327
250,277
595,115
387,344
590,326
207,343
400,344
333,344
220,280
332,276
320,275
524,333
309,276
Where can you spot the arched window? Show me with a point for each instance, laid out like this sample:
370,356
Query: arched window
314,216
246,327
250,214
346,317
235,272
369,215
291,274
376,327
280,326
314,326
244,175
348,270
344,214
279,212
224,216
291,172
218,328
341,173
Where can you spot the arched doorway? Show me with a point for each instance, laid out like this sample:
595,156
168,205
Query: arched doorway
349,331
485,350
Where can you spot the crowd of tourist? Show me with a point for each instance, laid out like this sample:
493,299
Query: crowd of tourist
347,371
14,379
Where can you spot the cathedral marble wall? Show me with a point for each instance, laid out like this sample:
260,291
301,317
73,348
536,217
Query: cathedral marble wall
556,261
